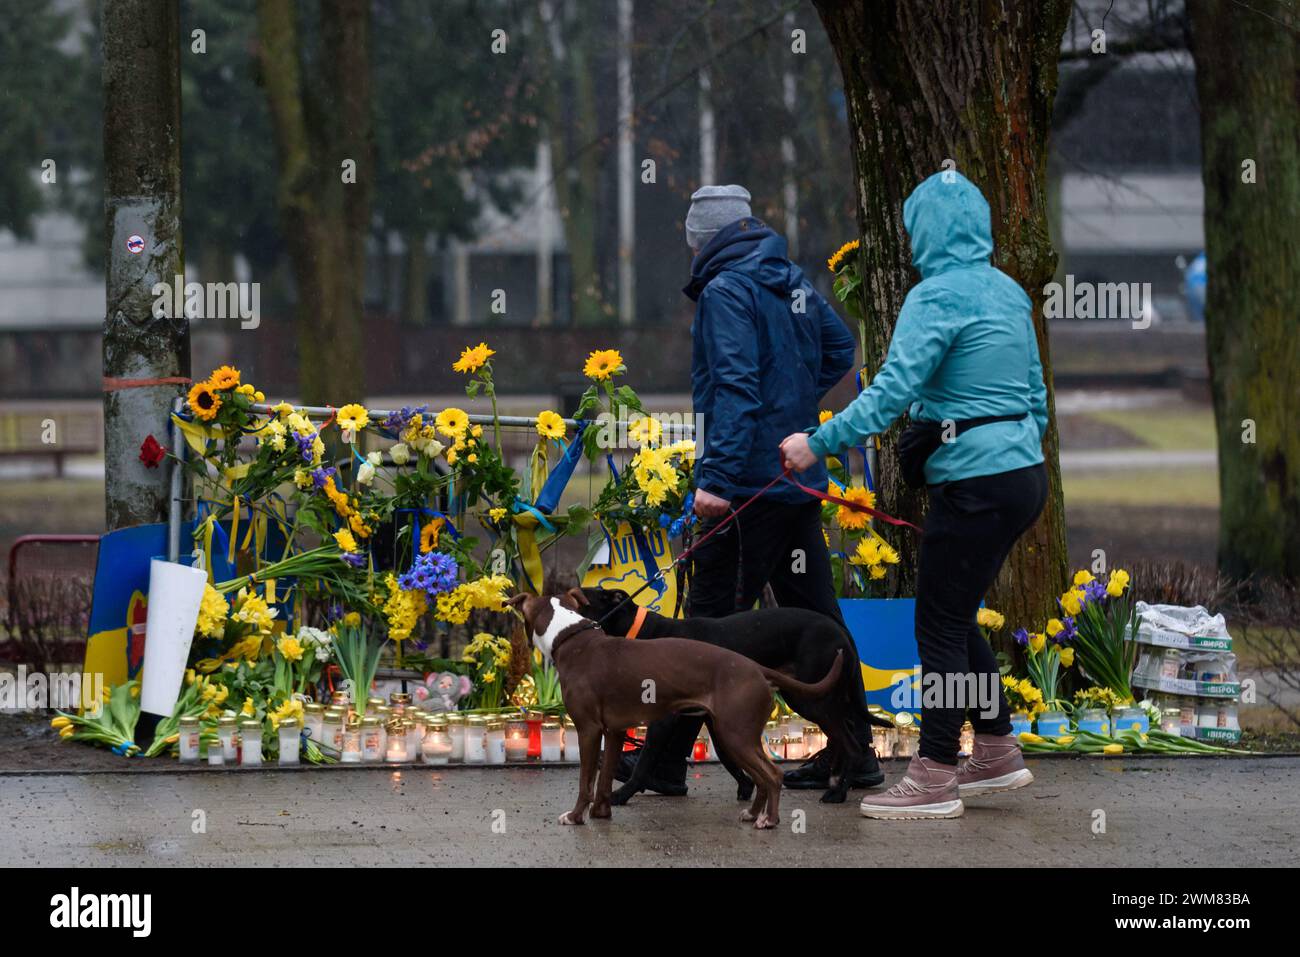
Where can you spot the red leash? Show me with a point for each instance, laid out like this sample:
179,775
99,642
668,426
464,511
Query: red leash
856,506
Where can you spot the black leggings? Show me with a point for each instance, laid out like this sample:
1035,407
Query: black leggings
969,531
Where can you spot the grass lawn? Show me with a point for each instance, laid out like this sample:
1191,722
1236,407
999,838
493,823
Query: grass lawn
1155,487
1180,428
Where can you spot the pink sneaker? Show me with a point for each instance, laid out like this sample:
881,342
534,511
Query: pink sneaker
928,790
996,764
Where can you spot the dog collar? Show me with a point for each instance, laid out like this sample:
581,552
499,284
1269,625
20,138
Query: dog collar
637,622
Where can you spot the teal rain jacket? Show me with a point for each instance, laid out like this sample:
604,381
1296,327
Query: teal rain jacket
963,347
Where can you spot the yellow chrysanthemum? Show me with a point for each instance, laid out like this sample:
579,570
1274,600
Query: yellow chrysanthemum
602,364
825,415
833,264
497,514
550,425
346,541
203,401
850,519
353,417
867,553
452,422
473,358
224,378
646,430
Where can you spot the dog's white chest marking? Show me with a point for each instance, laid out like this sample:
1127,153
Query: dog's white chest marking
561,619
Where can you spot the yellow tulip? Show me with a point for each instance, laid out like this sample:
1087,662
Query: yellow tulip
60,722
1114,749
1030,738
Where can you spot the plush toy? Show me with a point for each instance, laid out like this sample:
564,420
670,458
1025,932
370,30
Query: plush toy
442,691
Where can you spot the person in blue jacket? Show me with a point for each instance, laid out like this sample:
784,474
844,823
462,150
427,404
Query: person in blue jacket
963,349
766,348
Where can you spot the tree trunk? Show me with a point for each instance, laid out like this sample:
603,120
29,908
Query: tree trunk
1247,77
142,198
971,83
324,218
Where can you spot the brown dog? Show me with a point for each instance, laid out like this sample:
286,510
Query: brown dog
610,685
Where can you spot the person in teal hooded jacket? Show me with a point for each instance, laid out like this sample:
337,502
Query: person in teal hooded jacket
963,348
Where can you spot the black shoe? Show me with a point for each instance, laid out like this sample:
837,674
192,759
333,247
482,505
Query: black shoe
661,780
815,774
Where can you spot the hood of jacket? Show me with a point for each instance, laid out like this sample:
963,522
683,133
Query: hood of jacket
947,219
746,246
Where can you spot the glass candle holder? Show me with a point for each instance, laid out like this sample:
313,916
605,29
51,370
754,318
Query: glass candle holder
227,726
1054,724
373,704
456,731
372,739
436,747
191,733
774,742
216,754
1095,720
1131,719
1171,721
570,740
966,741
289,732
494,741
332,731
395,747
552,741
518,741
475,739
414,733
350,742
700,750
1021,723
341,700
1228,714
313,721
250,743
534,719
400,702
795,747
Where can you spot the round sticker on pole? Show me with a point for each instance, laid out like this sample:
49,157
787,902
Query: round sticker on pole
135,244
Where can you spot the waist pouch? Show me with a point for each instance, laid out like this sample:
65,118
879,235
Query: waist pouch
922,438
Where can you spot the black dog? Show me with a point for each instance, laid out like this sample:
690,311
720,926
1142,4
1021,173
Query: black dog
799,642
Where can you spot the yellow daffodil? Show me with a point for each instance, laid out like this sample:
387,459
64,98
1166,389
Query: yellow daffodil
1082,577
1054,626
1071,602
602,364
1067,657
352,618
213,609
1036,642
290,648
1118,582
473,358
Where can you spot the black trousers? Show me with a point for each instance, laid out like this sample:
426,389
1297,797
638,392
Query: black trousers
969,531
769,543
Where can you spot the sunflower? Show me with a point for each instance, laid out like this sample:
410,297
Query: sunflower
226,377
204,401
851,519
473,358
603,364
430,534
550,425
353,417
452,422
833,264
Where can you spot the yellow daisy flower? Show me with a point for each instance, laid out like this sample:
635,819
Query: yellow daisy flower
550,425
353,417
602,364
452,422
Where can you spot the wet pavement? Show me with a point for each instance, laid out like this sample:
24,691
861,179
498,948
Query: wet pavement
1081,812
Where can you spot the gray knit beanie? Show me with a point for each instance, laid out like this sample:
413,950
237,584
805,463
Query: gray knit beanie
713,207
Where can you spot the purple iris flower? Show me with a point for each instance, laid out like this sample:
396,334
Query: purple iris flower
1094,591
1021,637
355,559
399,420
305,443
321,475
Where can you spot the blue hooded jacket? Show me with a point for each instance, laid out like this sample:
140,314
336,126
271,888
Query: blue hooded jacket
767,347
963,348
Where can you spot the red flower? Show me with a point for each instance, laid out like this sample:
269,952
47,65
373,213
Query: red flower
151,453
